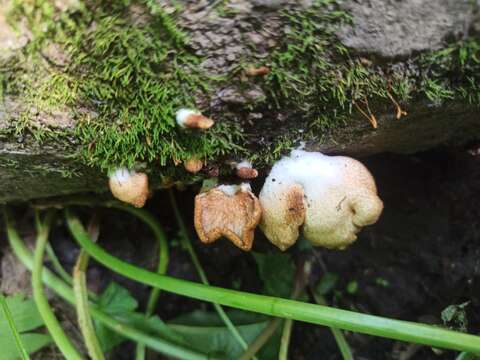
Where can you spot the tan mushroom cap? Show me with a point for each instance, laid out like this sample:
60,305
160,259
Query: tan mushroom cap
339,197
230,211
188,118
193,165
129,186
284,214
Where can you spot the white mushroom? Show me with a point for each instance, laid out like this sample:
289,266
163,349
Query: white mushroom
129,186
333,197
228,210
188,118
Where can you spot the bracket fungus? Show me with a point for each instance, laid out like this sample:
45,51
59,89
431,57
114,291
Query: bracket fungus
232,211
329,198
187,118
129,186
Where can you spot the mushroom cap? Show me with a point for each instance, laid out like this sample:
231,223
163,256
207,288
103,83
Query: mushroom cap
188,118
230,211
245,170
339,197
129,186
193,165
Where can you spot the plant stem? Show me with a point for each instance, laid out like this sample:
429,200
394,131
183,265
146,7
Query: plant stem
11,323
57,266
316,314
187,244
64,291
466,356
51,322
81,303
81,297
261,339
337,334
301,278
285,340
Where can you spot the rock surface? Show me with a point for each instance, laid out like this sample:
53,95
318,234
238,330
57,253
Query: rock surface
387,28
394,28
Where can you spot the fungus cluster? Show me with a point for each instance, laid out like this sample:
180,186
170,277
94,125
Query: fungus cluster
330,198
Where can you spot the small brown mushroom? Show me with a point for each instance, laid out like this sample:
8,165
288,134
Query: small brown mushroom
227,210
187,118
193,165
129,186
253,71
245,170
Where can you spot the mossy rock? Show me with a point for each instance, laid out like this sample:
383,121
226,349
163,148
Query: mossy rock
97,85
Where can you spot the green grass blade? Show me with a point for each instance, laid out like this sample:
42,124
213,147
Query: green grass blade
11,323
337,334
316,314
81,304
46,312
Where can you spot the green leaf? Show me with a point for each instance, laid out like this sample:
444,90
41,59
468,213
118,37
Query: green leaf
118,302
326,284
455,317
277,273
204,331
26,318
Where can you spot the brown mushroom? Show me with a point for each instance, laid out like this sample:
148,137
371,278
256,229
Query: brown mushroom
245,170
187,118
253,71
227,210
129,186
193,165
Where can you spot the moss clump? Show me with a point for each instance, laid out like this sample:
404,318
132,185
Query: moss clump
453,72
324,83
127,73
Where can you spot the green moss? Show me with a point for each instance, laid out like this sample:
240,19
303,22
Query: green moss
324,83
452,72
128,72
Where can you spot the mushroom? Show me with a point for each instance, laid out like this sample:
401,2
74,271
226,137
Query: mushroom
187,118
253,71
245,170
232,211
129,186
193,165
332,197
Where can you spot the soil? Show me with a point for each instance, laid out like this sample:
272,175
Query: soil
422,256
